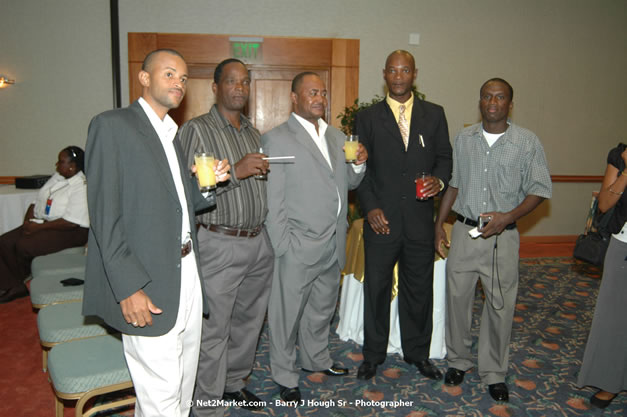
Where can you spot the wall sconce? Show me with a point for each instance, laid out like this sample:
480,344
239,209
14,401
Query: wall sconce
4,81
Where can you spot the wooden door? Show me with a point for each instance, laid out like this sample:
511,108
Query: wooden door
335,60
269,103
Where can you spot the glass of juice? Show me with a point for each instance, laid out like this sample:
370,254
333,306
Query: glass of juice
351,144
204,171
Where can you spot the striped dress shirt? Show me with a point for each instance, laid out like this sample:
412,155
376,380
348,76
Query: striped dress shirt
240,203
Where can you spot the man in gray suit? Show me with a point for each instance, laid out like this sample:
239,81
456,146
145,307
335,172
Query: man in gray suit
142,272
307,203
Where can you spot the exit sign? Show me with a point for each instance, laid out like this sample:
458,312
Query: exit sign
247,49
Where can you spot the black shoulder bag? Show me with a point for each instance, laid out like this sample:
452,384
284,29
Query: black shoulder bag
592,245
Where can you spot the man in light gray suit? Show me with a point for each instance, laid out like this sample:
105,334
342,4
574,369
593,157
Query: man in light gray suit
307,205
142,272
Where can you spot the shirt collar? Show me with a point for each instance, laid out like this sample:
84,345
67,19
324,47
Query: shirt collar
223,122
164,126
309,127
505,136
77,178
394,105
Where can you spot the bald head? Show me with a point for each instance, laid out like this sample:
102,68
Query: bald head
399,75
150,58
401,52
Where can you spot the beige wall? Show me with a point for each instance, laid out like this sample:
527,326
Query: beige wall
565,59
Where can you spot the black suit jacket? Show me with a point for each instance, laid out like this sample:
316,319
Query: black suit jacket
389,182
135,216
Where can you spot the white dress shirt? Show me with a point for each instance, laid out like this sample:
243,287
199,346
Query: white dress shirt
321,143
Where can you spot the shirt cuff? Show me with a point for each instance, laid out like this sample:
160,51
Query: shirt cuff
358,169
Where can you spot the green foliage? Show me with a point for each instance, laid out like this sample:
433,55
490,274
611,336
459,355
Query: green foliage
347,118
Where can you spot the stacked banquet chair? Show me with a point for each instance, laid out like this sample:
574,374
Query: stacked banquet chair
84,358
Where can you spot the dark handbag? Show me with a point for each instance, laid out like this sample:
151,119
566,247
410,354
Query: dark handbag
591,248
592,245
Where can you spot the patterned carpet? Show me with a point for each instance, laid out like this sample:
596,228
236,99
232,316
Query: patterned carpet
553,314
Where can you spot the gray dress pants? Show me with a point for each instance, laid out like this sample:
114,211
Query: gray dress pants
469,260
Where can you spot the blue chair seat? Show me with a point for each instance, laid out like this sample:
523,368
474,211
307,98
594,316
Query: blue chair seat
47,290
61,263
59,323
82,369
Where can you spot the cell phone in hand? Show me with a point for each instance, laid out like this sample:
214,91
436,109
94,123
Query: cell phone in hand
483,221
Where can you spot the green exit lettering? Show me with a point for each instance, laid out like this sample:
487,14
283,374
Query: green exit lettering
245,50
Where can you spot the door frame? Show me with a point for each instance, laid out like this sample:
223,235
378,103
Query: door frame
339,56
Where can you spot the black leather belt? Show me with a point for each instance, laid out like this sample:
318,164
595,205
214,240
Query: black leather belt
474,223
231,231
186,248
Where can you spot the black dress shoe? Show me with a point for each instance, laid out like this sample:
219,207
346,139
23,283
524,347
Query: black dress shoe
366,370
13,293
499,392
289,394
246,399
599,403
426,368
454,377
334,370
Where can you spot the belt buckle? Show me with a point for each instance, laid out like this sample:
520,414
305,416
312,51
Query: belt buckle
255,231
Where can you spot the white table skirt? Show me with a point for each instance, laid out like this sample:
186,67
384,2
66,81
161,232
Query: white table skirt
13,205
351,325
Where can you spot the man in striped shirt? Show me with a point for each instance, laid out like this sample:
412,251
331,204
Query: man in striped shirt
236,256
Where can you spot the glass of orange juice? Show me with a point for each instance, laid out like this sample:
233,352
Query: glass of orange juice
204,171
351,144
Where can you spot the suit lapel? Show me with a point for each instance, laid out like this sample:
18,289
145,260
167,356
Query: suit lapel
417,116
388,121
302,136
332,148
151,140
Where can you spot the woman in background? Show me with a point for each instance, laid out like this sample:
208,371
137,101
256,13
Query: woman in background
57,220
605,359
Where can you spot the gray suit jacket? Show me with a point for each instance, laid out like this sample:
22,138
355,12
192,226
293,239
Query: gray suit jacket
303,194
135,215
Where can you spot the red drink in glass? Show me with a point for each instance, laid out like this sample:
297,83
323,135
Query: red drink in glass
420,184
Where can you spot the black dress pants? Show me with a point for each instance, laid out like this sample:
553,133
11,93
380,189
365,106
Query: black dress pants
415,296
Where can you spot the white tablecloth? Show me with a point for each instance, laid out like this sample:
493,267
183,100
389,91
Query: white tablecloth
13,205
351,325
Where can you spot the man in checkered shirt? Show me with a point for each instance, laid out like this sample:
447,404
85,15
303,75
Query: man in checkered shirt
500,172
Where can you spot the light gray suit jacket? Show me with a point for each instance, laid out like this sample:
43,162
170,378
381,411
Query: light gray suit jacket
135,215
303,194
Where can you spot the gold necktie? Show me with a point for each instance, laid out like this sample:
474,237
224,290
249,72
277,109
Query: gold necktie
403,125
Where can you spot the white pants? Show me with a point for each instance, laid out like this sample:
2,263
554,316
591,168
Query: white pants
163,368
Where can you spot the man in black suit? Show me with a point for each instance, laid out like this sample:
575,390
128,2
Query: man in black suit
404,136
142,273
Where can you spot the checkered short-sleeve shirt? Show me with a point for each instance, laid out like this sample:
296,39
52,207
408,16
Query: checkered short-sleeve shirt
497,178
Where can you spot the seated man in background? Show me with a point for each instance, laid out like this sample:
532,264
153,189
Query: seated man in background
57,220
